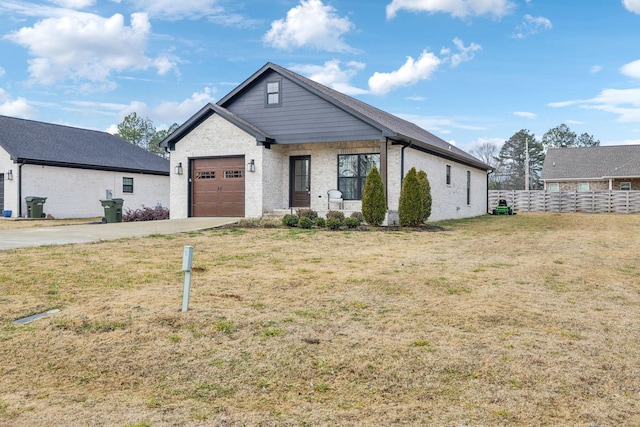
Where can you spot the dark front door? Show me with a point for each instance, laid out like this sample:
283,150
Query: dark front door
300,181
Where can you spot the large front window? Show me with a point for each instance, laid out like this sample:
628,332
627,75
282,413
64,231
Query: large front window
352,173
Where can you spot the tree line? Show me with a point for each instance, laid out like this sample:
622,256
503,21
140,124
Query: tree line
510,161
142,132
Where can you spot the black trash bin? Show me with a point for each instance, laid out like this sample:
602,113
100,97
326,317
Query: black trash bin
112,209
35,206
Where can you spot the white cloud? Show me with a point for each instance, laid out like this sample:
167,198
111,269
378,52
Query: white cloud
437,124
87,47
622,102
172,10
632,69
411,72
457,8
18,107
525,114
74,4
310,24
332,74
531,25
632,5
595,69
464,53
2,71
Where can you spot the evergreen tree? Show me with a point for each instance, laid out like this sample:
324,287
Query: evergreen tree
410,209
423,180
513,159
374,204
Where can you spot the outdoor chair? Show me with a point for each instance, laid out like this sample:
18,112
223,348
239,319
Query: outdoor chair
335,196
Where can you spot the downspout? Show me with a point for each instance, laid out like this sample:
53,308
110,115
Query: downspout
488,173
20,190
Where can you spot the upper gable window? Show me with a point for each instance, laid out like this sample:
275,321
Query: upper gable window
273,92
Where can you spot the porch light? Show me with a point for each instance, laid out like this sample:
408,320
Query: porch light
251,166
9,175
178,169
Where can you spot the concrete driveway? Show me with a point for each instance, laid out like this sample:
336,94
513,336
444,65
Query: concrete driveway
84,233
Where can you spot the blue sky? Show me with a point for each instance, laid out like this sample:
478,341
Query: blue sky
470,71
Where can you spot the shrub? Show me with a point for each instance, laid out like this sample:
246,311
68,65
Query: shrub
374,204
290,220
305,222
307,213
320,222
426,194
336,215
334,223
352,222
357,215
145,214
410,208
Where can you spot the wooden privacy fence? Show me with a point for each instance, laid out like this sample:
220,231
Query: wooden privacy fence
568,201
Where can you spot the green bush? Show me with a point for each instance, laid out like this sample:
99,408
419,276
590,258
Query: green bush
410,208
307,213
336,215
352,222
290,220
426,194
305,222
333,223
374,204
320,222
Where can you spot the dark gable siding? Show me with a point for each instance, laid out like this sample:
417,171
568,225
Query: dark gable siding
301,117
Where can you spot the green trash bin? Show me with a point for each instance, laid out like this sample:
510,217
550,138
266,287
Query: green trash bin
112,209
34,206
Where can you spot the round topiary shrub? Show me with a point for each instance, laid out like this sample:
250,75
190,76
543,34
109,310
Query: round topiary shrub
290,220
305,222
352,222
308,213
358,215
320,222
334,223
336,214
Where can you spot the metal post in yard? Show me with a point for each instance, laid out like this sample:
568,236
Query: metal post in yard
187,258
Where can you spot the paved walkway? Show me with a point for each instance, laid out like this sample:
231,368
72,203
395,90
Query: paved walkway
84,233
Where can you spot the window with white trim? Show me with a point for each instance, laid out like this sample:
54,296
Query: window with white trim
583,186
553,186
625,186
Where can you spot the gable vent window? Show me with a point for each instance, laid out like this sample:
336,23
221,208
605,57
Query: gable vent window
127,185
273,92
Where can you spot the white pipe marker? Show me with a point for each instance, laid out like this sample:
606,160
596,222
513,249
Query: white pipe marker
187,258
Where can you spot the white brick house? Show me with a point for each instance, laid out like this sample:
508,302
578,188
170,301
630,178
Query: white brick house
281,141
74,169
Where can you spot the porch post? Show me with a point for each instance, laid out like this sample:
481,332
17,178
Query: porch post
383,167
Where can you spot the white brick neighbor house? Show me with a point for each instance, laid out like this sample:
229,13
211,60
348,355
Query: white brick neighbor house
281,141
74,169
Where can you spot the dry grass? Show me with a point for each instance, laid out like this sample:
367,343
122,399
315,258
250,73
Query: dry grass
523,321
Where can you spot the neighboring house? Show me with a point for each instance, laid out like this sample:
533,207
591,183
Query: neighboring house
592,168
74,169
280,141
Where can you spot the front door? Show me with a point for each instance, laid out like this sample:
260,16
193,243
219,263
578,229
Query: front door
300,181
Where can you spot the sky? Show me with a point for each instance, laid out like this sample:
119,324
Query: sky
469,71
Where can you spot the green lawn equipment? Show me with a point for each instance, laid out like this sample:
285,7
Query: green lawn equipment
503,208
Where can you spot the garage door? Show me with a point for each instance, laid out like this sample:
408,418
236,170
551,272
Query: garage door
217,187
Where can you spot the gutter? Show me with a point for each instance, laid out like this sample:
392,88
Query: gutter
20,190
489,172
402,160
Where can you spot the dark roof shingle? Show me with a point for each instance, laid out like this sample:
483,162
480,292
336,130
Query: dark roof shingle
45,143
613,161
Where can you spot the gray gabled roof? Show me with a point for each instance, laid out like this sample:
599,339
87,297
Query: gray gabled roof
29,141
603,162
389,125
204,113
